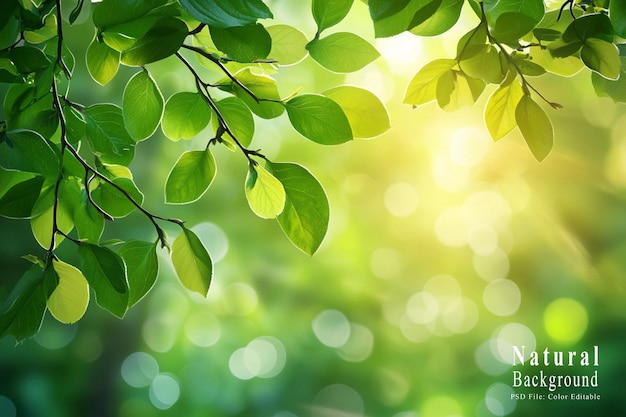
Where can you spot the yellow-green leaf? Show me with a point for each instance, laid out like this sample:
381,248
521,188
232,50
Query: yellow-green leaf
423,87
265,194
68,302
367,115
500,110
192,262
535,126
602,57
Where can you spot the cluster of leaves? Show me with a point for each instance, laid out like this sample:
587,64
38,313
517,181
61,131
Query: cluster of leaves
64,166
515,41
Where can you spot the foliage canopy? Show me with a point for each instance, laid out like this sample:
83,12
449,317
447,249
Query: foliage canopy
64,166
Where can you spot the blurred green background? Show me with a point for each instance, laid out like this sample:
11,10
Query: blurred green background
444,250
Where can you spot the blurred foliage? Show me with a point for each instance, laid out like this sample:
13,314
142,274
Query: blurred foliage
443,250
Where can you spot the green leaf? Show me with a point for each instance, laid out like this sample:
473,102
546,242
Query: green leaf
446,15
68,302
328,13
109,13
423,87
484,65
162,40
319,119
500,109
306,214
264,88
43,34
238,118
615,89
535,126
190,177
88,221
601,57
114,202
18,201
288,44
186,114
526,66
106,273
367,115
30,109
102,62
28,151
142,106
512,19
380,9
617,13
243,43
192,262
342,52
107,134
392,19
142,266
265,194
21,314
456,90
42,222
597,25
227,13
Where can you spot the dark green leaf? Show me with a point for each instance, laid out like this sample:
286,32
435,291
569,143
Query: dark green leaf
76,11
342,52
596,25
393,19
142,106
107,134
243,43
190,177
512,19
19,200
615,89
28,151
319,119
116,12
617,13
162,40
142,268
106,274
306,214
89,222
192,262
114,202
446,15
328,13
380,9
21,314
227,13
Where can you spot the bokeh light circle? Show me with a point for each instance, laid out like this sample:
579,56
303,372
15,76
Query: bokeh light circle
401,199
565,320
139,369
337,400
164,391
359,345
500,400
203,329
7,408
509,335
502,297
332,328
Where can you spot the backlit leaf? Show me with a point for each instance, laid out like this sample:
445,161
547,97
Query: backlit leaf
328,13
423,87
107,134
319,119
500,109
367,115
535,126
238,118
68,302
192,262
342,52
186,114
265,194
162,40
102,62
190,177
601,57
227,13
243,43
306,214
288,44
142,106
142,268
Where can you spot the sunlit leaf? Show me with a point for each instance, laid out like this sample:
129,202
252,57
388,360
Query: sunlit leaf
456,90
500,109
265,194
328,13
238,117
535,126
142,268
265,102
306,214
107,134
319,119
142,105
288,44
102,62
192,262
190,177
186,114
445,16
601,57
342,52
115,199
68,302
423,87
162,40
367,115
